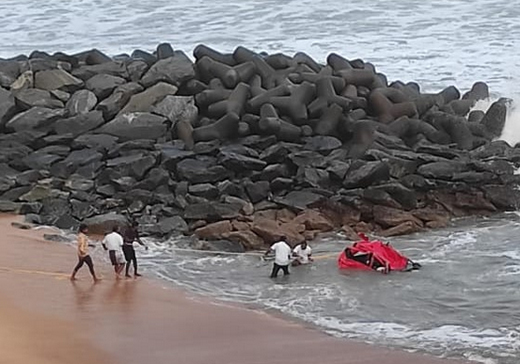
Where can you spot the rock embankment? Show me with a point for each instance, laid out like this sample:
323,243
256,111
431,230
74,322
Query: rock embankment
244,147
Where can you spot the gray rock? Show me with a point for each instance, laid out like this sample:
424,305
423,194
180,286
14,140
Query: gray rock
66,222
174,70
338,170
308,158
35,118
119,98
81,102
257,191
240,163
212,212
57,79
31,208
110,68
9,206
14,193
101,224
313,177
57,238
196,171
28,177
363,174
205,190
272,171
143,102
495,118
442,170
79,183
133,165
136,69
40,160
75,160
37,193
102,85
174,224
299,200
100,142
9,72
79,124
7,107
322,144
136,126
176,108
155,177
53,209
31,97
281,184
219,246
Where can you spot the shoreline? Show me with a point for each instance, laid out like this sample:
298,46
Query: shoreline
139,321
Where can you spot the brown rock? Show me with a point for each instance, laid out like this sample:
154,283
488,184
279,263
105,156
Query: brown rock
407,227
314,220
197,224
247,238
350,216
350,233
267,229
388,216
437,224
285,215
266,214
436,217
474,201
240,225
21,226
363,227
310,234
214,231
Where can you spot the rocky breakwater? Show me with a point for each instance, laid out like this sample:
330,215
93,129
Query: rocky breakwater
241,148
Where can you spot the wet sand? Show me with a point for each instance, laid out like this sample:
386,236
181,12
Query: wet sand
48,319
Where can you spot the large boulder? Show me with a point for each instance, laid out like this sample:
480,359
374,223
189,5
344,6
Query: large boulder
136,165
240,163
81,102
442,170
197,171
247,238
212,212
143,102
389,217
299,200
119,98
176,108
314,220
214,231
100,142
101,224
7,106
79,124
57,79
495,117
32,97
9,72
103,85
322,144
136,126
364,174
35,118
174,70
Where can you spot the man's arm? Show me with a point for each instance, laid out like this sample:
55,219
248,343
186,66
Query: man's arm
104,243
138,239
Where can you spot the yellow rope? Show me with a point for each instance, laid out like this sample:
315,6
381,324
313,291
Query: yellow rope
28,271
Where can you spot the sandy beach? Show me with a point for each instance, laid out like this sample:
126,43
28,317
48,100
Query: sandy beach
47,319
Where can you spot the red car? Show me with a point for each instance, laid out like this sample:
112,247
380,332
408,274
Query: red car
374,255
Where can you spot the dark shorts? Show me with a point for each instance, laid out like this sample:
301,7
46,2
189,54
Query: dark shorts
129,252
113,257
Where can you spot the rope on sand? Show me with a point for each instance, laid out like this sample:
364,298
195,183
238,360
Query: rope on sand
28,271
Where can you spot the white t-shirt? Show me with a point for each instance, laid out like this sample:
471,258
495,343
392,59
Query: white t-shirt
113,241
282,253
303,254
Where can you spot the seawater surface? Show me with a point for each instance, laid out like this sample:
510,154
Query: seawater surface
464,303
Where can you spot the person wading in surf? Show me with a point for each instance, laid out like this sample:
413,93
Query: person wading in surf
303,254
113,242
83,256
129,236
282,258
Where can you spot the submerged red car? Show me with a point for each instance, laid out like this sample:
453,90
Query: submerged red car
374,255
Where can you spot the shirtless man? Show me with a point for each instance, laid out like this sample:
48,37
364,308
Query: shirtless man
130,235
83,256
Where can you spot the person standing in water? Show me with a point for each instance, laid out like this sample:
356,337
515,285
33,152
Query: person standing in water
113,242
282,258
83,256
303,254
130,235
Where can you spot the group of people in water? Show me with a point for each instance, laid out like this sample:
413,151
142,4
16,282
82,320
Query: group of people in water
120,247
284,256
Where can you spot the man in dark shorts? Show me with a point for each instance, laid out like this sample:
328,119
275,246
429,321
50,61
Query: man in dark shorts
129,236
83,256
113,242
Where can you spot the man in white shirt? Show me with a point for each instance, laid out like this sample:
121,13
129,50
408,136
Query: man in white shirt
282,257
302,253
113,242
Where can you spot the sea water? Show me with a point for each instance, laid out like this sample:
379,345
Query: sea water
464,302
